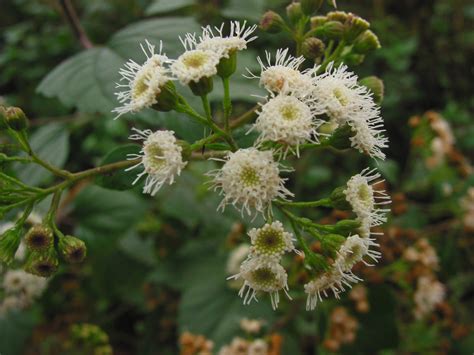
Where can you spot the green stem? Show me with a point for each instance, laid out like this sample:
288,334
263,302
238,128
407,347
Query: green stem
227,103
305,222
54,207
332,57
325,202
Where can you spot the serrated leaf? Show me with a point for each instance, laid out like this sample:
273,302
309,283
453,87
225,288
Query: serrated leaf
119,179
50,143
87,80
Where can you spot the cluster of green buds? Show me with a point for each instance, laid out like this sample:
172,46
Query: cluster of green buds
90,339
45,243
45,246
336,37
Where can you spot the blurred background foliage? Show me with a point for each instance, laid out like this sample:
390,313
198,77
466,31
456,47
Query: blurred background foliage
157,267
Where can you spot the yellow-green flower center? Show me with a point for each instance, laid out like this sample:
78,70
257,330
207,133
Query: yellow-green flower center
365,194
269,242
249,176
263,276
153,160
195,60
140,86
289,112
341,96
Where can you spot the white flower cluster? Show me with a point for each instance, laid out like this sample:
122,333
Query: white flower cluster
160,157
240,346
364,200
250,178
20,289
262,271
334,94
429,293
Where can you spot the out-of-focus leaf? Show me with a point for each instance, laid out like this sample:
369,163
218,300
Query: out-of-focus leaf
119,179
15,329
107,211
163,6
51,143
87,80
244,9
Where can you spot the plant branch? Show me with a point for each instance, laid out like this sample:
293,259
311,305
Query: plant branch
73,21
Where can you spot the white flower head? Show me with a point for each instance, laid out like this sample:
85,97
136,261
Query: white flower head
194,64
364,199
213,39
429,293
289,120
160,157
352,251
271,240
319,287
282,75
262,274
142,84
250,179
258,347
347,102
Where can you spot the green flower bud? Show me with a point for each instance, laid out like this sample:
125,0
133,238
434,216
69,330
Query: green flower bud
227,66
376,87
339,200
203,87
339,16
72,249
271,22
318,21
356,26
167,99
354,59
366,43
39,237
310,6
330,244
294,12
9,243
312,48
332,30
42,262
16,118
347,226
340,137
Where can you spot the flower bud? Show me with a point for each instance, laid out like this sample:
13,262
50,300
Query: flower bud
39,237
353,59
203,87
9,243
294,12
333,30
347,226
227,66
312,48
167,99
339,16
310,6
376,87
356,26
317,21
339,200
72,249
340,139
42,262
271,22
366,42
16,118
331,243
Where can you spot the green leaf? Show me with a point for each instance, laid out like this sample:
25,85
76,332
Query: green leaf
119,179
87,80
51,143
163,6
15,330
244,9
107,211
